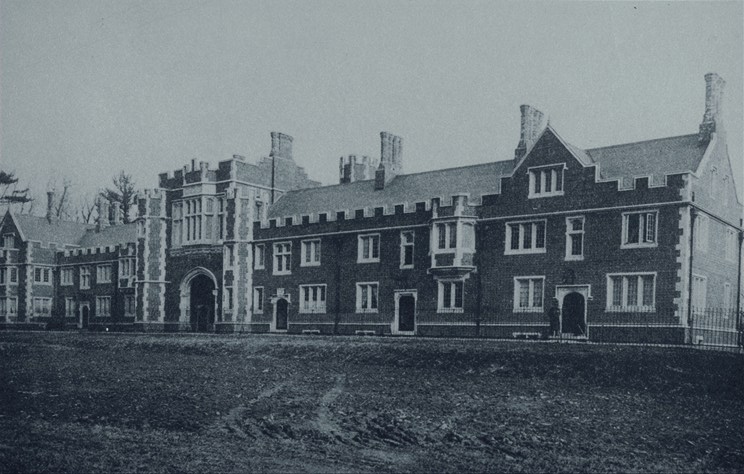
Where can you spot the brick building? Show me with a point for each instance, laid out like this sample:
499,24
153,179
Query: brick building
641,235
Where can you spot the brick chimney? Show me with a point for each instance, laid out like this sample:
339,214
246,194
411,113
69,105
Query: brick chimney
355,168
529,131
103,214
281,145
50,207
712,119
391,159
117,213
391,152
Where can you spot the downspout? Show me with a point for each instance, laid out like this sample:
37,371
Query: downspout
738,293
479,287
337,297
273,173
693,216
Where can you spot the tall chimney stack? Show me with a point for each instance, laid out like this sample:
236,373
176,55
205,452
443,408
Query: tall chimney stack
391,159
116,210
281,145
712,118
529,130
50,206
103,214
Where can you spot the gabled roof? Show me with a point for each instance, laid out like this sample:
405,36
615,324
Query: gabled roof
476,180
71,233
112,235
40,229
662,156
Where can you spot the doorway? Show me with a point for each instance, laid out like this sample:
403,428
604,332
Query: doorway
572,300
84,315
201,304
405,313
573,314
281,309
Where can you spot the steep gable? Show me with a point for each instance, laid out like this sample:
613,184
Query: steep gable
549,139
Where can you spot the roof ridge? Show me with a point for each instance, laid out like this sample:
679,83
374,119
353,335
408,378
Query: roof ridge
327,186
639,142
56,220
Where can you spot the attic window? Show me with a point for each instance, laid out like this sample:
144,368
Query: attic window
546,181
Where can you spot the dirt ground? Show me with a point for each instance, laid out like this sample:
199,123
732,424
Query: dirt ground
186,403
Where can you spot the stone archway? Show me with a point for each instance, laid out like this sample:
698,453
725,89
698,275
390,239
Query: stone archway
199,300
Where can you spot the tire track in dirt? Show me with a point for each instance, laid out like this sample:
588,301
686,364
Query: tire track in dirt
233,418
324,421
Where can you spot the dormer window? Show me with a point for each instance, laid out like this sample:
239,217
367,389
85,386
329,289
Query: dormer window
546,181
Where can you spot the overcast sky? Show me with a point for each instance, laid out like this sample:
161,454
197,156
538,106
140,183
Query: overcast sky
91,87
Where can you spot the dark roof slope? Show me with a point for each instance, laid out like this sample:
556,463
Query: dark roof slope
73,233
112,235
652,157
61,232
658,158
476,180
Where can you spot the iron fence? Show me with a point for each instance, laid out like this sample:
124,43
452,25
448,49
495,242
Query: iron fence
717,328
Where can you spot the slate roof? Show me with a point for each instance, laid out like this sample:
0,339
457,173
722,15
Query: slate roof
40,229
652,157
112,235
647,158
73,233
407,188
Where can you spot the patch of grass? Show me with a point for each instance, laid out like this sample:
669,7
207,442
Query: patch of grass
187,403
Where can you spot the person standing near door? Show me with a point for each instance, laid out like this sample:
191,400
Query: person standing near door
554,315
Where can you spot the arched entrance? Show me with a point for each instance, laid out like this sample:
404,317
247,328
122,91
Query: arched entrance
281,309
199,300
573,314
201,304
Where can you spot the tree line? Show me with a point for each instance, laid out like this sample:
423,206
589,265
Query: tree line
69,203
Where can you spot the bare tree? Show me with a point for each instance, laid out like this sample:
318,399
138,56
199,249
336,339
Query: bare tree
86,209
123,192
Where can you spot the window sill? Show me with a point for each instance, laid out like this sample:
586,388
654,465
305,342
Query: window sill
311,311
259,268
315,264
529,310
524,252
366,311
281,273
450,310
544,195
406,267
574,258
638,246
632,309
369,261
